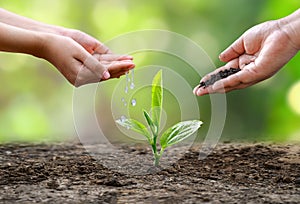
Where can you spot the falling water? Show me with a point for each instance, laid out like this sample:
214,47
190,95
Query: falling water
127,82
132,79
129,79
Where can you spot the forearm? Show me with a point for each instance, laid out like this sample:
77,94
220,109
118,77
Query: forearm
291,26
27,23
13,39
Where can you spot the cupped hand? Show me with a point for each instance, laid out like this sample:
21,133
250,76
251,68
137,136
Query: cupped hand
117,65
80,67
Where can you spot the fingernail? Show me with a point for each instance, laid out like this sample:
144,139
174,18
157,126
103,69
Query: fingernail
198,92
106,75
221,56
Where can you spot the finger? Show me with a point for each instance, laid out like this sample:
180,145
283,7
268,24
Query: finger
118,63
112,57
102,49
228,89
231,81
119,68
200,91
246,59
85,76
233,51
91,63
210,90
96,67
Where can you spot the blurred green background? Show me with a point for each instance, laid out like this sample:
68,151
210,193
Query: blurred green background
36,101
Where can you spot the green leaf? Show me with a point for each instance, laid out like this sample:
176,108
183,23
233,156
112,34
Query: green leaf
179,132
157,98
135,126
150,122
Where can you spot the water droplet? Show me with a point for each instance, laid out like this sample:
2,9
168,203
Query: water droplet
124,101
132,85
127,76
123,118
126,89
133,102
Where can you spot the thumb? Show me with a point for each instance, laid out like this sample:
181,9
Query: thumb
233,51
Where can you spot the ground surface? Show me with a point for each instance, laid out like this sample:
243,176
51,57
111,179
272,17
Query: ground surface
233,173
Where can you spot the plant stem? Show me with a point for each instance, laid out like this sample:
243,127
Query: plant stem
157,156
154,150
156,159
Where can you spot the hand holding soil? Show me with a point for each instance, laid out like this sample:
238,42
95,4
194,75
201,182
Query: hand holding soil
260,52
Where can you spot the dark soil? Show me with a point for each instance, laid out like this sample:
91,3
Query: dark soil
220,75
233,173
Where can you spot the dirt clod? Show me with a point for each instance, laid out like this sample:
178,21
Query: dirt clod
297,181
220,75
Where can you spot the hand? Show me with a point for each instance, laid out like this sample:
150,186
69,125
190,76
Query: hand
77,65
260,52
100,51
89,43
117,65
78,56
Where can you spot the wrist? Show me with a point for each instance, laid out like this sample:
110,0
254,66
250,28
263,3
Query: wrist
291,26
42,45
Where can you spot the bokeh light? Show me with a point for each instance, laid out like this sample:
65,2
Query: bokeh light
294,97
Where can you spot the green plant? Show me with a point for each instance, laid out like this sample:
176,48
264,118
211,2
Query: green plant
171,136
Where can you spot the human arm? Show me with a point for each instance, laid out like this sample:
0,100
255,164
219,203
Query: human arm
72,60
77,42
260,52
88,42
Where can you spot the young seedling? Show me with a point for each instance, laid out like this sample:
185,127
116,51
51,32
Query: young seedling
171,136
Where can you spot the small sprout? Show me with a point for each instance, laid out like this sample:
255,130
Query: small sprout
220,75
171,136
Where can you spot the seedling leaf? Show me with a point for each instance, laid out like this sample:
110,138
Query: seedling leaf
150,122
136,126
179,132
157,98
